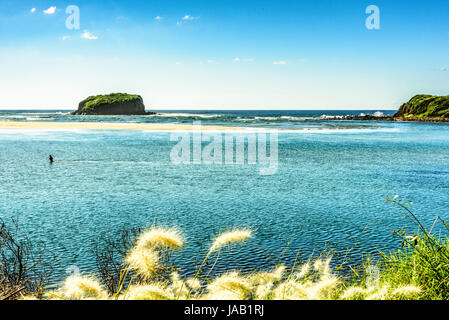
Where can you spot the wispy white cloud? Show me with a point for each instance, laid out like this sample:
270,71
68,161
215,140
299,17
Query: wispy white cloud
237,59
210,61
33,10
280,62
50,10
89,36
187,18
158,18
65,38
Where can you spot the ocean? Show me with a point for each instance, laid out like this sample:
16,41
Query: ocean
329,189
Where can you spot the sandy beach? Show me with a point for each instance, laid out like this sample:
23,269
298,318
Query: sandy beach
108,126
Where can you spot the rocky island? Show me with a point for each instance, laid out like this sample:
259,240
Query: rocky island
421,108
112,104
425,107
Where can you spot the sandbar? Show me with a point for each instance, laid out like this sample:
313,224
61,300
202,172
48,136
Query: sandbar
44,125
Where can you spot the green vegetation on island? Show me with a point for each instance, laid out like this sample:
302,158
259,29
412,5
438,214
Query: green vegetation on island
425,106
112,104
421,108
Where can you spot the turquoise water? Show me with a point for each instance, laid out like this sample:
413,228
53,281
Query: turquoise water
331,186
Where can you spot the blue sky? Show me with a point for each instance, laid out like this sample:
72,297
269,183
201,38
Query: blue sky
246,54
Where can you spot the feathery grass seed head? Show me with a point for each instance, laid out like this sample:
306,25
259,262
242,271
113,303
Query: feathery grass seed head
78,287
303,271
228,237
149,292
230,282
194,283
144,261
322,266
160,237
28,298
381,293
406,292
354,293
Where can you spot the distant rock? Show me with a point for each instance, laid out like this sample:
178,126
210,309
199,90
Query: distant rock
112,104
425,107
369,117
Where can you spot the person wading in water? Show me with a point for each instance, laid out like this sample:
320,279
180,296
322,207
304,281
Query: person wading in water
50,157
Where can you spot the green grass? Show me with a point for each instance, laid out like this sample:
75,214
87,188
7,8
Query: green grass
425,106
420,264
422,260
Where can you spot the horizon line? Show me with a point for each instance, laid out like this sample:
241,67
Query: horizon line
209,109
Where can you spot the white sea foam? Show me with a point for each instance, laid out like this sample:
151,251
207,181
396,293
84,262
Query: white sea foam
338,130
186,115
295,118
237,131
281,118
267,118
281,130
38,119
44,113
378,114
325,116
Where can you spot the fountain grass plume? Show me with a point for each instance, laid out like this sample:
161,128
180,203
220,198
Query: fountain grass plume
406,292
322,266
29,297
144,257
79,287
229,285
384,292
354,293
289,290
159,237
324,289
379,293
193,283
228,237
264,277
154,291
311,281
178,286
264,282
145,262
304,270
263,291
223,239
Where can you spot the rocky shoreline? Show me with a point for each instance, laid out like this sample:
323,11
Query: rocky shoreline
420,108
387,118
